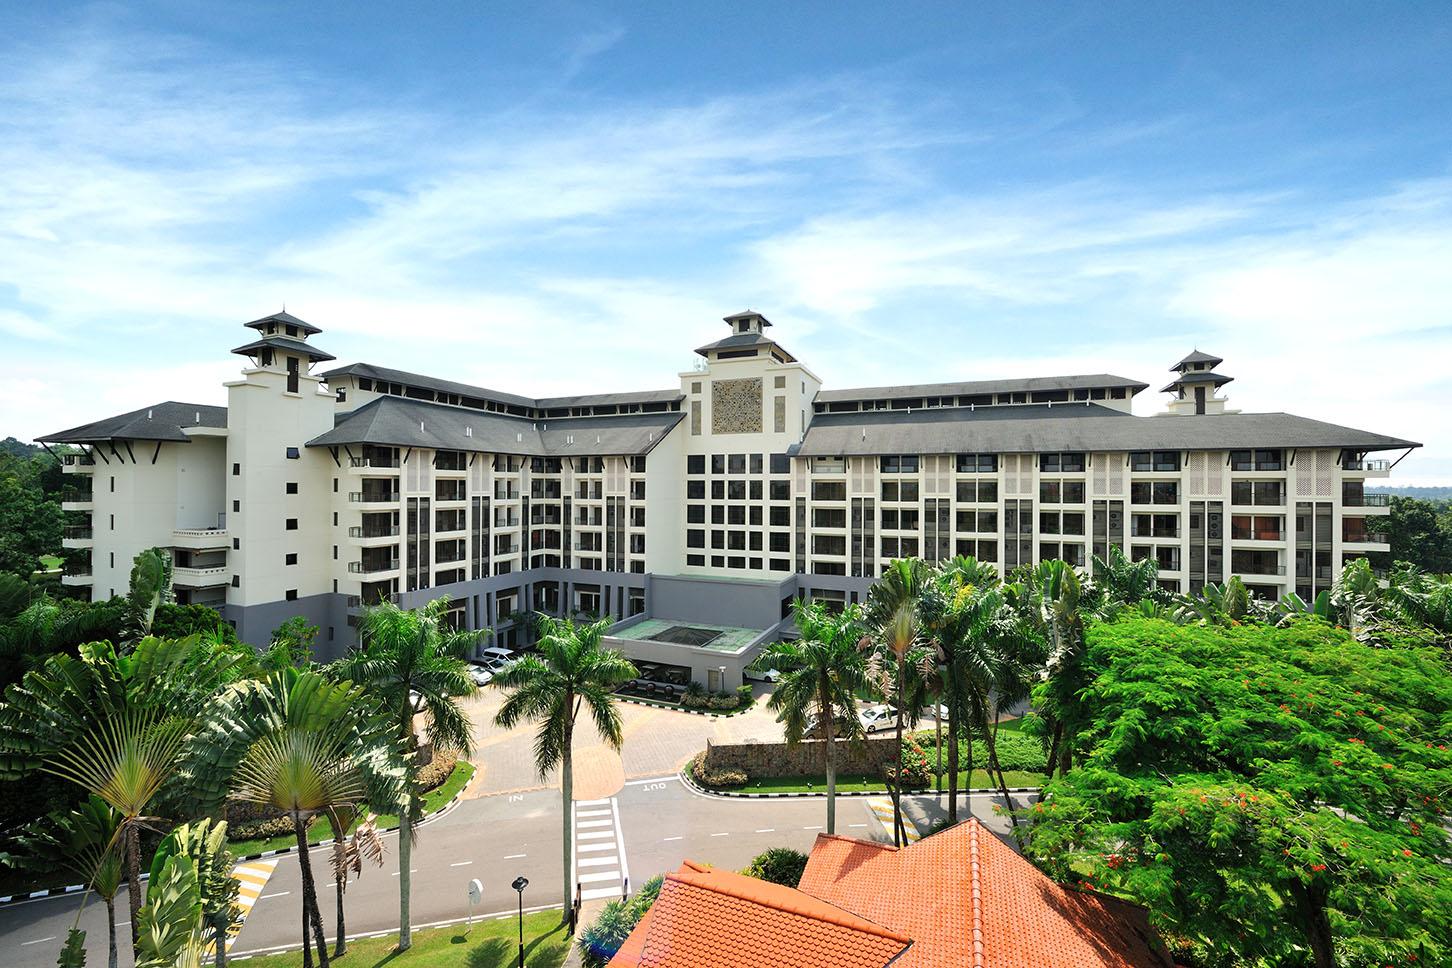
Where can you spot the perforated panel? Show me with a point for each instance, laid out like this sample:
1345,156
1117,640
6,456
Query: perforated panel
1116,475
1325,473
1195,469
1098,477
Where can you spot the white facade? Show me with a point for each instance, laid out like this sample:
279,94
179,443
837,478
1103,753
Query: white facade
313,493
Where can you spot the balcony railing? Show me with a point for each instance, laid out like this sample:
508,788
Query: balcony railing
1366,465
77,570
390,531
1251,534
1151,533
77,532
1260,570
379,462
372,567
373,497
78,460
1368,501
76,495
1363,537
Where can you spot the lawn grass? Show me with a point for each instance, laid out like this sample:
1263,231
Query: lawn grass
322,829
857,783
488,944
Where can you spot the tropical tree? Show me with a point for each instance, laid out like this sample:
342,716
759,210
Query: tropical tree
170,928
150,586
1120,582
292,644
892,614
308,746
1048,602
85,840
571,672
821,673
349,852
118,726
1272,795
413,662
204,843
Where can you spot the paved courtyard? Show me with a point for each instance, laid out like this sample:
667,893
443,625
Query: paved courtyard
657,741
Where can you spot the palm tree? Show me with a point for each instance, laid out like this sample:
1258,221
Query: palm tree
118,726
87,841
893,615
414,662
1120,582
311,746
1048,602
821,673
571,671
151,574
349,852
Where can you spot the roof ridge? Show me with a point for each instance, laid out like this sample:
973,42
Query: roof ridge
975,891
858,840
846,920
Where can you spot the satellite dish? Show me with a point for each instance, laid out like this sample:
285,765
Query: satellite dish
476,891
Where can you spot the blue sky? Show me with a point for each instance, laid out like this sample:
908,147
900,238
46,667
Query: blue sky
559,197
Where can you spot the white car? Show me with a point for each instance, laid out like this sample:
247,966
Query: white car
874,718
482,675
496,656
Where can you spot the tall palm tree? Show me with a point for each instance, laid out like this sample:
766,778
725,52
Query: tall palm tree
414,663
821,673
571,672
349,852
893,616
1048,601
310,746
87,841
118,726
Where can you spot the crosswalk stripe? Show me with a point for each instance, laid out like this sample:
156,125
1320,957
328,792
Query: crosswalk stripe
597,878
253,879
596,835
595,893
598,861
602,845
881,808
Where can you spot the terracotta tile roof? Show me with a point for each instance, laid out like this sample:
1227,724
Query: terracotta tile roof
706,918
969,901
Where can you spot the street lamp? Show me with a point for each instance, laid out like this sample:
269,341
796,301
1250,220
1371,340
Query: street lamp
520,883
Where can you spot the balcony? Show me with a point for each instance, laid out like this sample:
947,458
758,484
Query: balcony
367,465
76,536
1363,504
372,567
208,577
373,497
200,539
77,464
1364,539
1256,534
367,533
77,577
1152,533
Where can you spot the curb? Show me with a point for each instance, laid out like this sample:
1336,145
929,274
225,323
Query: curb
718,713
74,888
690,782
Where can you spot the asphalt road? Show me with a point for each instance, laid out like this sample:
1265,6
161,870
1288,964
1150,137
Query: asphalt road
494,839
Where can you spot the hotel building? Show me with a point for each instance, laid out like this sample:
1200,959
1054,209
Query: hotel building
693,514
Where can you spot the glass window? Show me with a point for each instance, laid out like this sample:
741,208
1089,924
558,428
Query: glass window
781,464
695,463
736,464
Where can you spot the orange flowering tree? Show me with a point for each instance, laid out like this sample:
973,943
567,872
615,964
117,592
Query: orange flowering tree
1274,796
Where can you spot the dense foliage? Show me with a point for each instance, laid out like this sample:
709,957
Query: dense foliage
31,520
602,938
1420,532
780,865
1273,795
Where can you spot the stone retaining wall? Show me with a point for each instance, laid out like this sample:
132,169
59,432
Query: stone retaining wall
807,758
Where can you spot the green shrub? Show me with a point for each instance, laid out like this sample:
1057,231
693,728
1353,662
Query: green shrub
723,701
719,779
602,938
779,865
436,772
744,696
1016,751
694,690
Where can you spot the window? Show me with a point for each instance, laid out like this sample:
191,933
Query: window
781,464
236,581
1068,463
718,463
237,506
755,462
293,454
291,524
905,464
292,487
236,470
291,559
695,514
781,491
290,595
1158,460
736,464
696,464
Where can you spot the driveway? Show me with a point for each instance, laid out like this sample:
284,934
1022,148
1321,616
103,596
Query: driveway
657,741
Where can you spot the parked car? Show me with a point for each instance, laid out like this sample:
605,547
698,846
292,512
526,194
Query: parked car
498,655
877,717
481,674
765,675
846,727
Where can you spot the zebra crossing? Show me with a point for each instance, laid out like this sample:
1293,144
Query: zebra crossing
252,878
599,854
881,808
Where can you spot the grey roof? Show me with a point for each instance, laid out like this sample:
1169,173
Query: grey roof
1203,376
1069,427
974,387
284,343
400,422
1196,356
740,341
746,314
160,421
284,318
369,371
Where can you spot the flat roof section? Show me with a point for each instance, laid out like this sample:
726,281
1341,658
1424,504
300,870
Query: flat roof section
715,638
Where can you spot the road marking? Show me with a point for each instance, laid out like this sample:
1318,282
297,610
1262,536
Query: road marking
592,813
598,877
514,856
592,803
593,846
278,894
881,808
596,835
598,861
767,830
720,835
817,827
37,941
592,824
654,779
595,893
252,878
673,838
857,825
411,870
462,863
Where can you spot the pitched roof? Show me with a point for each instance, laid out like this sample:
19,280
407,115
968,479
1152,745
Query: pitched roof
1085,381
400,422
967,899
1068,427
706,918
741,341
160,421
284,318
1198,357
390,375
1198,376
284,343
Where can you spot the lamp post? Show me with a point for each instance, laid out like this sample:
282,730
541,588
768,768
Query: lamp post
520,883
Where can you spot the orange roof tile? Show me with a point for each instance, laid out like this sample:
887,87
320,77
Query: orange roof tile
706,918
969,901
